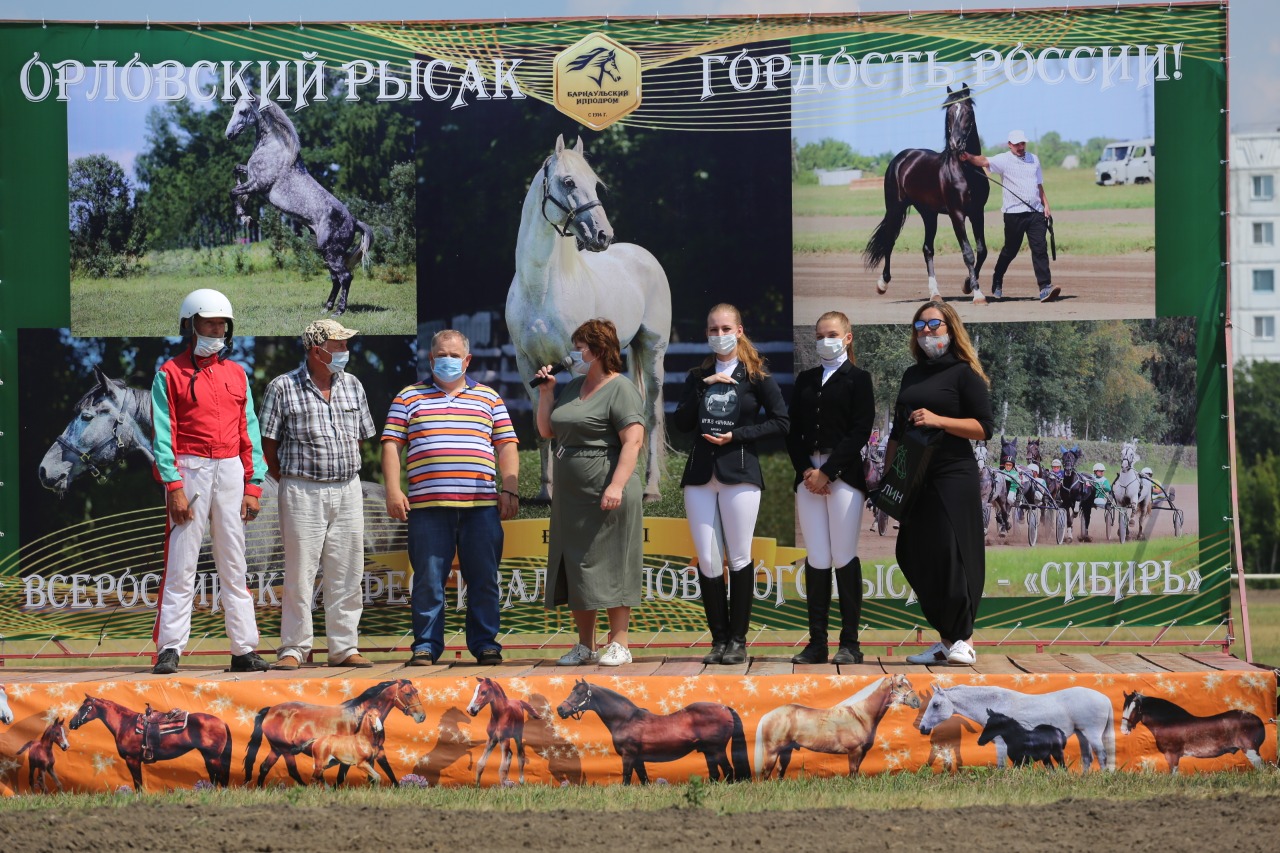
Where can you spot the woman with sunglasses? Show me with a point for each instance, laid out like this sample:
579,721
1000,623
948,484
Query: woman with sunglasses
940,548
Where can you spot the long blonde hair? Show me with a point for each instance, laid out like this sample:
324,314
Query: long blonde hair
960,343
747,353
845,325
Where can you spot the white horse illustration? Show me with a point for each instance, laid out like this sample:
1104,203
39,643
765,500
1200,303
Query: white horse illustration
557,287
6,713
1131,491
1078,711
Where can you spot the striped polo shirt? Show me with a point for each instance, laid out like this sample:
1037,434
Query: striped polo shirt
450,458
1021,177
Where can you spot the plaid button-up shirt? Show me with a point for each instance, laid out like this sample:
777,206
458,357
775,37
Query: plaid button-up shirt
319,439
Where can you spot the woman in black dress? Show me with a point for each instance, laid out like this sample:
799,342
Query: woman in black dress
731,402
940,548
831,415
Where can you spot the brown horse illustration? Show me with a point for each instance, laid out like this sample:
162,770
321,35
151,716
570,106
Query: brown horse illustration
506,723
1180,734
42,755
847,729
291,728
640,735
203,732
453,743
944,738
360,749
564,762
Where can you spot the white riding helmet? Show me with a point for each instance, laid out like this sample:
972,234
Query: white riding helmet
1057,463
1099,467
1146,472
1033,468
207,303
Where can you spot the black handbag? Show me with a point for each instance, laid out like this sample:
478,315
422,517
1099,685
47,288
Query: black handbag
902,479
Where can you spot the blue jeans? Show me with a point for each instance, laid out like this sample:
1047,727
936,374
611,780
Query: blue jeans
435,535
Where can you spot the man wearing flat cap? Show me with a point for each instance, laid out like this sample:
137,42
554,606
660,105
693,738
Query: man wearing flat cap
1026,212
313,420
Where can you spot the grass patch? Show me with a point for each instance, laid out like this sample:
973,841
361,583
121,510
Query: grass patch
1083,240
1264,625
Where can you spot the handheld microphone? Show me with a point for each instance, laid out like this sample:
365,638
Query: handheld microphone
564,364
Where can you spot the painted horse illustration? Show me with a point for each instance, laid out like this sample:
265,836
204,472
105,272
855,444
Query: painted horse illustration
453,743
362,748
291,728
41,755
506,724
557,287
847,729
640,736
944,738
937,182
603,59
1180,734
1077,711
110,422
1044,743
275,168
143,740
6,713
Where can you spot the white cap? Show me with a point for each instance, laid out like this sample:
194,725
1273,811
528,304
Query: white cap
1099,467
1146,472
1033,468
1016,136
1057,462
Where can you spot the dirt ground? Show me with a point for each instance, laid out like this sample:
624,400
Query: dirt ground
1093,287
1168,824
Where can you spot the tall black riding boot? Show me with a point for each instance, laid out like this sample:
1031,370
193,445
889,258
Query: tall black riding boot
716,604
817,585
742,584
849,577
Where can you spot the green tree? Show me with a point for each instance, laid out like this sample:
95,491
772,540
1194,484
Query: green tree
103,217
1259,485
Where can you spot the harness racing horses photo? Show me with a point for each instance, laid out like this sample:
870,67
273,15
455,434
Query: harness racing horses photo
1132,492
933,183
847,729
640,736
144,739
292,728
1077,711
568,271
1180,734
41,756
110,422
1001,494
506,724
275,169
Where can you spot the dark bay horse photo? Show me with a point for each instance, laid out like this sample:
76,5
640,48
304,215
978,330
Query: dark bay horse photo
640,736
203,732
506,724
291,728
40,756
1180,734
933,183
275,169
1043,743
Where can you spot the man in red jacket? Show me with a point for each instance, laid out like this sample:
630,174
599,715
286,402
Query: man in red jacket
209,457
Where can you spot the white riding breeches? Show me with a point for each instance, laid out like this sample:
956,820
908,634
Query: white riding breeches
735,509
830,524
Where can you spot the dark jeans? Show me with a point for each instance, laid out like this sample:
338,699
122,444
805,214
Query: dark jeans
435,535
1035,227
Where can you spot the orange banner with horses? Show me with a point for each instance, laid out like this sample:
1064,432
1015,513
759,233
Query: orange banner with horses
571,728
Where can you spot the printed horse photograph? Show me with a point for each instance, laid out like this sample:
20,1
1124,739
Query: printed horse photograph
151,736
276,197
363,748
506,726
1179,734
641,736
847,729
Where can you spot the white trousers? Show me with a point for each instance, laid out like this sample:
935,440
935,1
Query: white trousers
214,488
322,527
715,507
830,524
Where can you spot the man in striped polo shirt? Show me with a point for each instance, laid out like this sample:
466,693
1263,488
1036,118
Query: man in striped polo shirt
1026,212
453,428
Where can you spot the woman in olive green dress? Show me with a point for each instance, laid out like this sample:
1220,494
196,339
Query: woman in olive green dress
595,559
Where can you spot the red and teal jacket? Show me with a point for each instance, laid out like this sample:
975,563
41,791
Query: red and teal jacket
203,407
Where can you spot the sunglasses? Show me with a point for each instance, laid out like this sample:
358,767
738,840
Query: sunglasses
931,325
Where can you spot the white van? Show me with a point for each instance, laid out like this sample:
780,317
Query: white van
1130,162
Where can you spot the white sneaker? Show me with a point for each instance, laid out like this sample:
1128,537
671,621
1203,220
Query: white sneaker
577,656
962,654
937,653
615,654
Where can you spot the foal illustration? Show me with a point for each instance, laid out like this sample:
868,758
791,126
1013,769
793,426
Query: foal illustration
41,755
506,724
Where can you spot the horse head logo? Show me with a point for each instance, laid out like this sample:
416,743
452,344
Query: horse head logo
603,61
900,463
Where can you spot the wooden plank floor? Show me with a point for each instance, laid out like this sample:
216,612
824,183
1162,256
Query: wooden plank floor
656,663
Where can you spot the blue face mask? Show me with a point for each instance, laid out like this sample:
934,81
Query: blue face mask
338,361
446,368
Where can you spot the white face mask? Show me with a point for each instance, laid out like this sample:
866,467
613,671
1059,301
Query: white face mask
723,344
580,364
934,345
206,347
830,348
338,361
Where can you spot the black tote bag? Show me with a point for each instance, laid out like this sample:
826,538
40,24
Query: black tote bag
903,477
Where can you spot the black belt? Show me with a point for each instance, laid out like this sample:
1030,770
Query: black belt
584,451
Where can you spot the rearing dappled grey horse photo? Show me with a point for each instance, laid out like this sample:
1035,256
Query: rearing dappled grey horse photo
558,287
275,168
